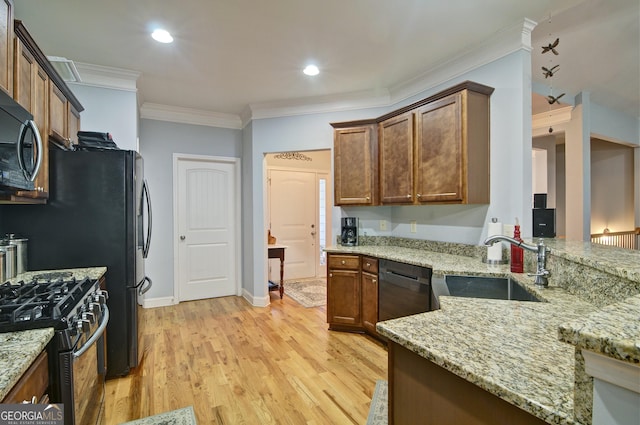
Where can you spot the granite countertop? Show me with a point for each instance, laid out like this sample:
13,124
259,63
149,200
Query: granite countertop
19,349
518,350
613,331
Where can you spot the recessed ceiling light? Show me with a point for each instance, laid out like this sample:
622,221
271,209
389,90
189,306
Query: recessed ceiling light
162,36
311,70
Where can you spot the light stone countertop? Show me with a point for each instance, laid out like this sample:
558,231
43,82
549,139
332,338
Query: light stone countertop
19,349
517,350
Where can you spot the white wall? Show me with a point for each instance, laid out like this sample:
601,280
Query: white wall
159,140
109,111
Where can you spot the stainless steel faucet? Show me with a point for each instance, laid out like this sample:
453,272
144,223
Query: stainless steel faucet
541,250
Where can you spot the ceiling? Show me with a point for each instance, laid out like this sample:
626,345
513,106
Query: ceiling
231,54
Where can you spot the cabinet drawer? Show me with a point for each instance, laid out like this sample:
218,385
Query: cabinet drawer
347,262
370,265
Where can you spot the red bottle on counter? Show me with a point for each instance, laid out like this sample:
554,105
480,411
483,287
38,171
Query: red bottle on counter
517,253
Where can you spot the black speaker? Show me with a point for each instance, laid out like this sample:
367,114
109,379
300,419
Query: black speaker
544,222
539,200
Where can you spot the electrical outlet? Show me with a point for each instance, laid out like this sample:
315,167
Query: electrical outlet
413,226
383,224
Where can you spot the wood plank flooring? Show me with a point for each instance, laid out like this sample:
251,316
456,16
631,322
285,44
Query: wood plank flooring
238,364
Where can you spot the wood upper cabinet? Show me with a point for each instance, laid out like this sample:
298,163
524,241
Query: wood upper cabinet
343,292
355,164
73,123
58,111
370,294
396,159
31,85
6,46
452,150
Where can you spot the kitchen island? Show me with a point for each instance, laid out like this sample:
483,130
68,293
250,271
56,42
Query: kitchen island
511,349
18,350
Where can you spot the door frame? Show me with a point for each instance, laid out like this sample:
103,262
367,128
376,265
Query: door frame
177,157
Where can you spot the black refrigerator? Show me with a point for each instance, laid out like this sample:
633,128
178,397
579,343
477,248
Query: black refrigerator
98,214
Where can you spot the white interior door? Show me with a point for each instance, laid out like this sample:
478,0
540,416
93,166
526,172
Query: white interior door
207,196
293,217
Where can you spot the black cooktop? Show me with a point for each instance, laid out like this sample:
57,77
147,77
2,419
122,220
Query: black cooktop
35,304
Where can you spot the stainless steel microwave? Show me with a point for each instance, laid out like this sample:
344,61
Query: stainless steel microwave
20,146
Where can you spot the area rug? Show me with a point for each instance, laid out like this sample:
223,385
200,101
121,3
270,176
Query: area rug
308,293
378,411
184,416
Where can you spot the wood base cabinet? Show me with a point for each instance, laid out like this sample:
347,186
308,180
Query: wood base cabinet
369,278
421,392
33,385
344,292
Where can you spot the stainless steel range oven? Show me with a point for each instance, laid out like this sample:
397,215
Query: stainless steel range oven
78,312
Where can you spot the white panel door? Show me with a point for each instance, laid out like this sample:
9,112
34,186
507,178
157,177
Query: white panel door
206,229
293,216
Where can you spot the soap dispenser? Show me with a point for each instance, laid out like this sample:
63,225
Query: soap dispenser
517,252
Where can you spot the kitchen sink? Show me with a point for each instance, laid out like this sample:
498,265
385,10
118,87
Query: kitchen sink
499,288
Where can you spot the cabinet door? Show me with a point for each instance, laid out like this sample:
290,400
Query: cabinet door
370,302
6,46
73,124
440,153
31,91
57,114
396,159
355,165
343,298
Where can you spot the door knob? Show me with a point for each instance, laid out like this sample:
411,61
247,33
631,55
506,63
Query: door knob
182,237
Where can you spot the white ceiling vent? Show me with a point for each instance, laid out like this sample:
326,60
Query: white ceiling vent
66,68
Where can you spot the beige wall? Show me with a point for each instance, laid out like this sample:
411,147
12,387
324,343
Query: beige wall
612,186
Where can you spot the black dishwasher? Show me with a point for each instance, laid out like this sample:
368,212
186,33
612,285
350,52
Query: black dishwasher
403,290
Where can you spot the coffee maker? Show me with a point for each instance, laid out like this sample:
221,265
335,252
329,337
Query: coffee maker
349,233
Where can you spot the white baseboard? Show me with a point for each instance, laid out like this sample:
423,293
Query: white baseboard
256,301
158,302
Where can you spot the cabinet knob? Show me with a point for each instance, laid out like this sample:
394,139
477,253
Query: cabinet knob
409,196
375,280
343,262
368,198
418,195
330,274
368,264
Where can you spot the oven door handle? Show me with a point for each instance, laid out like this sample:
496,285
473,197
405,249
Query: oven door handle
98,333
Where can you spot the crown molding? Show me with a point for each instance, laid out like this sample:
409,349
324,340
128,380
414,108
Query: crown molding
155,111
540,123
320,104
107,77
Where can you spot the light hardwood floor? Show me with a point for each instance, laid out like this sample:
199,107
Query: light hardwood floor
238,364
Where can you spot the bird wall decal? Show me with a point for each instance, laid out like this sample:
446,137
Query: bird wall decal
551,47
553,100
549,72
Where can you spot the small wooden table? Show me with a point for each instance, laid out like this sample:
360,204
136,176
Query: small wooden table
277,251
